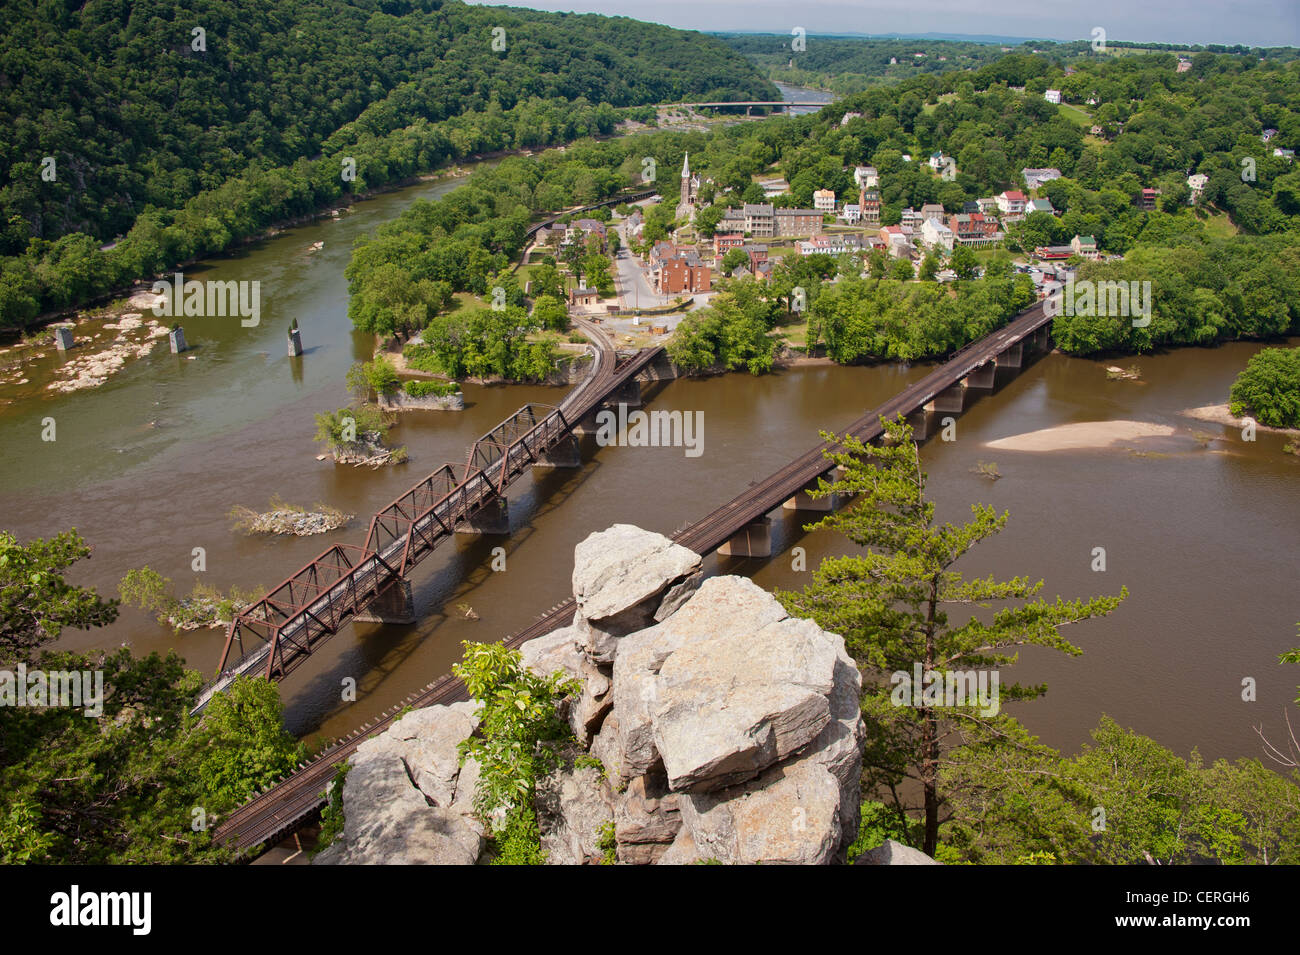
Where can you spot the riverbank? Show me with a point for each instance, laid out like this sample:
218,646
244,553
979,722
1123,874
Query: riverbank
1083,436
1219,414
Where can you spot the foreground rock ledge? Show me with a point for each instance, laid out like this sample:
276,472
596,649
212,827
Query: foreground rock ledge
725,729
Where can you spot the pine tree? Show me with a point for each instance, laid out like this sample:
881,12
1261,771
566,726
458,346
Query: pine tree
891,604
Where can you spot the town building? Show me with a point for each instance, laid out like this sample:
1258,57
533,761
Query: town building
1011,205
1040,205
678,270
1084,246
1037,177
866,177
836,244
931,210
910,218
974,229
988,205
1052,96
869,200
584,297
792,223
851,213
1196,183
1147,199
897,240
757,255
725,241
824,200
773,187
934,234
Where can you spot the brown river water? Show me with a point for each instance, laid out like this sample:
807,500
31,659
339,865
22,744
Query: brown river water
148,466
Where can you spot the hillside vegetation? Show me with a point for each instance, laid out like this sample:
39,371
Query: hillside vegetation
187,142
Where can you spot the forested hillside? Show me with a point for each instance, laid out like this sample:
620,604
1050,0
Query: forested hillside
187,141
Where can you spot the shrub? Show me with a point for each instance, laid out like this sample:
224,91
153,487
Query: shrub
422,389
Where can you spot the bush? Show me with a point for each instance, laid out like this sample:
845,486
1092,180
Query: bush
423,389
379,376
1269,388
422,358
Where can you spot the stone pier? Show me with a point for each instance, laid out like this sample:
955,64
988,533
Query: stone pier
394,605
62,338
752,540
565,454
295,343
952,398
176,338
1013,357
628,393
803,501
983,376
492,518
920,422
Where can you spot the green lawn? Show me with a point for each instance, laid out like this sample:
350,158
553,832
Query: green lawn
1219,226
1076,115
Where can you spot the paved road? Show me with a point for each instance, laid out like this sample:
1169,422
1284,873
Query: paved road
634,288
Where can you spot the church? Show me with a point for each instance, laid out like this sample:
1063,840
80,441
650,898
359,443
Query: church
690,191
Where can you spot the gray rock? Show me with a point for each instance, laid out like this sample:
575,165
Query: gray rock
646,820
890,852
721,606
406,800
729,707
683,851
789,815
572,807
620,578
606,749
594,703
553,652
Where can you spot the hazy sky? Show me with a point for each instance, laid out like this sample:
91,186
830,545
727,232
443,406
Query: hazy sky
1252,22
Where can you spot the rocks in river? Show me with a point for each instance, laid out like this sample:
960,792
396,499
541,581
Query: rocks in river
367,450
286,519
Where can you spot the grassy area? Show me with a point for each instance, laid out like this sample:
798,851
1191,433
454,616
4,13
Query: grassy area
945,98
1219,226
1076,115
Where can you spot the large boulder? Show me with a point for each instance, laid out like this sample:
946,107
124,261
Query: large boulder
890,852
621,578
731,706
406,799
554,652
574,807
722,606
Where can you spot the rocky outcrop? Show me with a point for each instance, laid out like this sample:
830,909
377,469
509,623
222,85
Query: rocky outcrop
406,798
711,727
624,579
732,733
401,401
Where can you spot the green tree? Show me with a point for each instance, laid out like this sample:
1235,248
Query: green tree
1269,388
892,603
551,312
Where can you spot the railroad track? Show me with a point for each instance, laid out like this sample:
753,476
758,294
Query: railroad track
276,811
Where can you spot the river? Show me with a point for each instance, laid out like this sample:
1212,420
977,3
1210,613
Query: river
148,466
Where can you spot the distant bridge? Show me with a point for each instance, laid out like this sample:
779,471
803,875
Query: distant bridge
738,528
748,103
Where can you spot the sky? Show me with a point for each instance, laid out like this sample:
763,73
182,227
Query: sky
1251,22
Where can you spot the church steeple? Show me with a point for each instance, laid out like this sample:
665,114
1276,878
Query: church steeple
686,166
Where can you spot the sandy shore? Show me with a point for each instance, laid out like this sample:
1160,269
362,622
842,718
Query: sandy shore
1083,435
1219,414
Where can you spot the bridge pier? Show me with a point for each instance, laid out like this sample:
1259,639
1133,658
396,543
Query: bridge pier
491,518
394,605
1013,357
952,398
983,376
628,393
920,422
752,540
1041,340
565,454
803,501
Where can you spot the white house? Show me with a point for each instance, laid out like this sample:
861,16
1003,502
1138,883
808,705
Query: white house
1052,96
852,213
824,200
1196,183
935,234
849,117
866,177
1011,204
